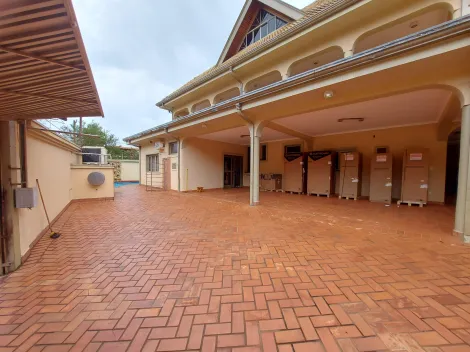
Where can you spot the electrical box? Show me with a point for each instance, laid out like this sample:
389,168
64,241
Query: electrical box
381,178
293,172
26,198
415,176
350,165
320,173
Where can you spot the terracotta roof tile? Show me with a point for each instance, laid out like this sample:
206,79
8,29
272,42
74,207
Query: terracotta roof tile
311,11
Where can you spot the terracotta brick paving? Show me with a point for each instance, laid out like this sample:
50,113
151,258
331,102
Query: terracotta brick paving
161,271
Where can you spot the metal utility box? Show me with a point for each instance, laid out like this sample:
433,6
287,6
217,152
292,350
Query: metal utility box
26,198
271,182
293,172
350,165
415,177
320,173
381,178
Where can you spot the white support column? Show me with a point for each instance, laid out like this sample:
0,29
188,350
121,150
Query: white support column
256,131
460,210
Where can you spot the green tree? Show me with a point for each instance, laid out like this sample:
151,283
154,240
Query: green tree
104,139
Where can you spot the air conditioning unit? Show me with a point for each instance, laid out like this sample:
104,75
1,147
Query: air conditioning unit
94,155
159,145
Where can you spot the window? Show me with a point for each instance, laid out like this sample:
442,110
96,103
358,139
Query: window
173,147
264,24
153,163
263,156
292,149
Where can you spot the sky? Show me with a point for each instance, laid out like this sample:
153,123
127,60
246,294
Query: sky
142,50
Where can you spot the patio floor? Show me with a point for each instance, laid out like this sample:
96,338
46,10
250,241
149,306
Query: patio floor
162,271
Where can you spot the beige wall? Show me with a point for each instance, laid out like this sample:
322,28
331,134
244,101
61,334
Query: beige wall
397,139
129,170
51,165
81,189
149,149
202,163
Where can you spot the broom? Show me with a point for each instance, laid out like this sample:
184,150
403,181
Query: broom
53,234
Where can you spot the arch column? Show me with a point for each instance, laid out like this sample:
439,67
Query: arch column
462,218
256,131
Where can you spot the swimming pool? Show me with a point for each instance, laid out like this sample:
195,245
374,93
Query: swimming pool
121,184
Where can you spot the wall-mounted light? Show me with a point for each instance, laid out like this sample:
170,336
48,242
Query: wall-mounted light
414,24
357,119
328,94
204,125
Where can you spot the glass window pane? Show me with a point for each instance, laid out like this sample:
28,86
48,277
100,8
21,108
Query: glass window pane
249,38
279,23
264,30
257,35
272,25
262,15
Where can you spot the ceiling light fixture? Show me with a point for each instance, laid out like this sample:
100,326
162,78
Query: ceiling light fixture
328,94
204,125
358,119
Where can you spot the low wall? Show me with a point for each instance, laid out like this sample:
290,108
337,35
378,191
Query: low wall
81,189
126,170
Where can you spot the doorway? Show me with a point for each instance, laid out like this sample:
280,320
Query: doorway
233,166
452,167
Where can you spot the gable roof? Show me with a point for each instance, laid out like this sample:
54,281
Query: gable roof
246,17
314,13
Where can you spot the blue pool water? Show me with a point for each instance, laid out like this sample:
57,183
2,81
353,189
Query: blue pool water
121,184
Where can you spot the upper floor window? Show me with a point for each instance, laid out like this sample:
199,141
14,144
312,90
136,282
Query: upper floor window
172,148
264,24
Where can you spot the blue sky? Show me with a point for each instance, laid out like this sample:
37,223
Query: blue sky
142,50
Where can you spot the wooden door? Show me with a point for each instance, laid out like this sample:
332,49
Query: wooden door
167,174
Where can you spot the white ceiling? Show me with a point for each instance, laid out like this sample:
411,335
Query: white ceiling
234,136
414,108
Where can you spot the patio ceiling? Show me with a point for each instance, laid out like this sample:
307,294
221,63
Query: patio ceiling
412,108
44,69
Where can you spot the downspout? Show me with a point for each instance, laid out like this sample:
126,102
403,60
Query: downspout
140,164
23,155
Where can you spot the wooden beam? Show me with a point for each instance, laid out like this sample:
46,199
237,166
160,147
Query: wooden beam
39,58
50,97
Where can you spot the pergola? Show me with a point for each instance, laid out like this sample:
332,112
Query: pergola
44,69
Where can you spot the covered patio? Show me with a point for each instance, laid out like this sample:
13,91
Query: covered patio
206,272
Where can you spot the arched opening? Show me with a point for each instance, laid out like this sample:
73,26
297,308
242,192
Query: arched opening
418,21
201,105
180,113
452,166
263,81
316,60
228,94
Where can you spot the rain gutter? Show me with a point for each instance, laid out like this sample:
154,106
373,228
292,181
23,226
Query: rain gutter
413,41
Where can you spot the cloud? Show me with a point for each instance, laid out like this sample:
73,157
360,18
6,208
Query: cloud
142,50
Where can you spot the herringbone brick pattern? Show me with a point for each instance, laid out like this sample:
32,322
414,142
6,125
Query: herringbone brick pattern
160,271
